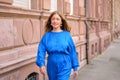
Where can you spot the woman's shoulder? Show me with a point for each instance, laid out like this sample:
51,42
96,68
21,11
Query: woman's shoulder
66,32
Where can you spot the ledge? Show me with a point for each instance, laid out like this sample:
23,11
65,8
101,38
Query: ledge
80,43
93,19
72,17
16,63
17,57
45,14
105,20
9,10
83,18
6,1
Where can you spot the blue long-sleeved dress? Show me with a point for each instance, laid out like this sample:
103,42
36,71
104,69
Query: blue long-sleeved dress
62,55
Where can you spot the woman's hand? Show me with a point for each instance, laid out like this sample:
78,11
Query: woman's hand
43,69
75,74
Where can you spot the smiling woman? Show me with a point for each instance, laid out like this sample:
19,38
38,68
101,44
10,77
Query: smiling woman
57,42
59,20
56,22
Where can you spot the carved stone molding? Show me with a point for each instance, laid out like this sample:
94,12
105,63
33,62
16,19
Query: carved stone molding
6,1
27,31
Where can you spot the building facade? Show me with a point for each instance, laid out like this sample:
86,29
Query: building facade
22,26
116,18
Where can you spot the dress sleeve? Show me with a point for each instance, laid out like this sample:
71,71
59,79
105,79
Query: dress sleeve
73,54
40,59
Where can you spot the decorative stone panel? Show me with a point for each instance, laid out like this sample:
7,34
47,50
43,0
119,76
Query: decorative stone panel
46,4
33,29
66,7
36,30
81,3
35,4
82,27
6,33
18,23
75,7
27,31
42,28
81,11
74,27
60,5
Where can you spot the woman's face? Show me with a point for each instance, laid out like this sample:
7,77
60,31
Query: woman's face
56,21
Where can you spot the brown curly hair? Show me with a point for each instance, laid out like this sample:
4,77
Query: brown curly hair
64,25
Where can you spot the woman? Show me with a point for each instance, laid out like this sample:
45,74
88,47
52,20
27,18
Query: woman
57,42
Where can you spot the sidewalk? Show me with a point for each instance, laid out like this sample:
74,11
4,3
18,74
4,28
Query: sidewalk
105,66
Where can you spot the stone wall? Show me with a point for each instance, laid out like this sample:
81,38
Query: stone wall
98,14
21,30
116,18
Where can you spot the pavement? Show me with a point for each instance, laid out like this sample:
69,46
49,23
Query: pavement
105,66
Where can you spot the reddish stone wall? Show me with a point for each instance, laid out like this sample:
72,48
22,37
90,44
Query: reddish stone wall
22,29
99,20
20,34
116,18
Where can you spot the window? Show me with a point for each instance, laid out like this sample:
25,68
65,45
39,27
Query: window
95,47
92,51
22,3
53,5
32,76
71,7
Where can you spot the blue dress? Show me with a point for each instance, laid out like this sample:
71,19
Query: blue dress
61,52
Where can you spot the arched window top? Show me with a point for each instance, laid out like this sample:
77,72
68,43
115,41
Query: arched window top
32,76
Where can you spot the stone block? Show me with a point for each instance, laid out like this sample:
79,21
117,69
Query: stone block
83,52
82,11
27,31
46,4
18,24
6,33
36,30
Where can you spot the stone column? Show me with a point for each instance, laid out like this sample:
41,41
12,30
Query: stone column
35,4
81,8
75,7
90,8
60,4
66,7
43,5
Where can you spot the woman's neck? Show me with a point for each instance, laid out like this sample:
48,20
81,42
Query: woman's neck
57,30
